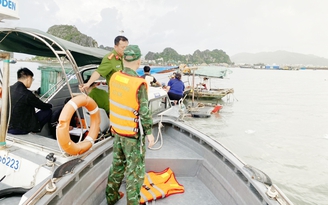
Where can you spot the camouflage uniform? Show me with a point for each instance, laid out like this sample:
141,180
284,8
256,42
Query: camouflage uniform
127,156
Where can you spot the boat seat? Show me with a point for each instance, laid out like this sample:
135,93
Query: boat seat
104,121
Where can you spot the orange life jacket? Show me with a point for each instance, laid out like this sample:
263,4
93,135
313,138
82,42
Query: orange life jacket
124,105
159,185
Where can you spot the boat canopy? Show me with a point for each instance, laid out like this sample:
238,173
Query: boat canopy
35,42
210,71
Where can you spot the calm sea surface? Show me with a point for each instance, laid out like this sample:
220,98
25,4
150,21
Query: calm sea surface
276,121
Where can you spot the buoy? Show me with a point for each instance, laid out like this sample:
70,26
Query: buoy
216,109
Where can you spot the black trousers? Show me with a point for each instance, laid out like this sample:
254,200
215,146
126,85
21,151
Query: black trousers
173,96
43,116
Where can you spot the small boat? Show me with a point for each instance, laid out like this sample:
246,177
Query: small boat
36,169
202,90
210,94
157,69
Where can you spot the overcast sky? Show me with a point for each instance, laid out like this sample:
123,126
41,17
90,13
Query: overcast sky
234,26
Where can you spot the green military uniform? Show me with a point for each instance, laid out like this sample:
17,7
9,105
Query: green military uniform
109,65
101,98
128,156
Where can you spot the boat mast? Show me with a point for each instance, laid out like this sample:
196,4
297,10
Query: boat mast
193,84
4,107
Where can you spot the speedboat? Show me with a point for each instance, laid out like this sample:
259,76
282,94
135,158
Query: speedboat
36,169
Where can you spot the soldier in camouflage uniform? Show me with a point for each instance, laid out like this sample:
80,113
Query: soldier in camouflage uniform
129,143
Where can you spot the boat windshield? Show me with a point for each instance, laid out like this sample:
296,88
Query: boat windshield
158,105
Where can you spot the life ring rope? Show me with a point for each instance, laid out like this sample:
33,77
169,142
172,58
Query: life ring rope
88,138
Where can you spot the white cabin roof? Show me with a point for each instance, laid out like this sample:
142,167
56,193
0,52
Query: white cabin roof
9,10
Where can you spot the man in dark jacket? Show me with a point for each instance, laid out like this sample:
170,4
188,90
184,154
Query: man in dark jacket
23,118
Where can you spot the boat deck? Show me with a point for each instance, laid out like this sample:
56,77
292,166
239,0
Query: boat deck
185,163
36,140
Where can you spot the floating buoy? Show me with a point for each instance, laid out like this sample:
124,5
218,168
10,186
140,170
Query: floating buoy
216,109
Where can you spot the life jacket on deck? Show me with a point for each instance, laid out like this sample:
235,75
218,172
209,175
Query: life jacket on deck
124,105
159,185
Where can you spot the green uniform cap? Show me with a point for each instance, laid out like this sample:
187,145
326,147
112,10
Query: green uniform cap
132,53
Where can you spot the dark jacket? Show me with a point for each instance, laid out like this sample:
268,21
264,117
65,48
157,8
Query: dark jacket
23,104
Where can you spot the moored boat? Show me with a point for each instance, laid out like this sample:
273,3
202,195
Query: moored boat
210,94
203,90
36,170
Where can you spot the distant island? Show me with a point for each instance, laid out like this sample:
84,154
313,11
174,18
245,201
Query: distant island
215,57
168,56
279,58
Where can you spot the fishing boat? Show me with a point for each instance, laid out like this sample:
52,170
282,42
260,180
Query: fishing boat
36,169
202,90
201,93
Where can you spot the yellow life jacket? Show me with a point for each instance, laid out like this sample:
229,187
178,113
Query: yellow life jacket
159,185
124,105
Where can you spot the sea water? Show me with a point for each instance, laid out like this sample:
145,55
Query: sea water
277,122
13,68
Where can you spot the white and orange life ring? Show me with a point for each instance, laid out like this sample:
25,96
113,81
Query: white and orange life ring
66,114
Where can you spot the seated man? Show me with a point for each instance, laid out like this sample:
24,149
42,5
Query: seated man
154,82
23,118
100,96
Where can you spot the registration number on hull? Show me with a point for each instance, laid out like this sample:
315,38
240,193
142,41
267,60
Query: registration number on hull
9,161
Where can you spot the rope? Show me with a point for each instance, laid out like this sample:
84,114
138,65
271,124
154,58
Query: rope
159,135
37,171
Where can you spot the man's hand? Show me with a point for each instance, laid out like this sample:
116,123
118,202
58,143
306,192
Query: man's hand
84,87
150,140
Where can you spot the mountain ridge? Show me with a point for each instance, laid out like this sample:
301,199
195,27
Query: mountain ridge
216,56
279,57
168,56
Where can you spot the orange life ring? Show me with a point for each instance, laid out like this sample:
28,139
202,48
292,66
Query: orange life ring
66,114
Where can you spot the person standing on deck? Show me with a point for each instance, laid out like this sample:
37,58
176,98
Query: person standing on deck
111,63
131,121
23,102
